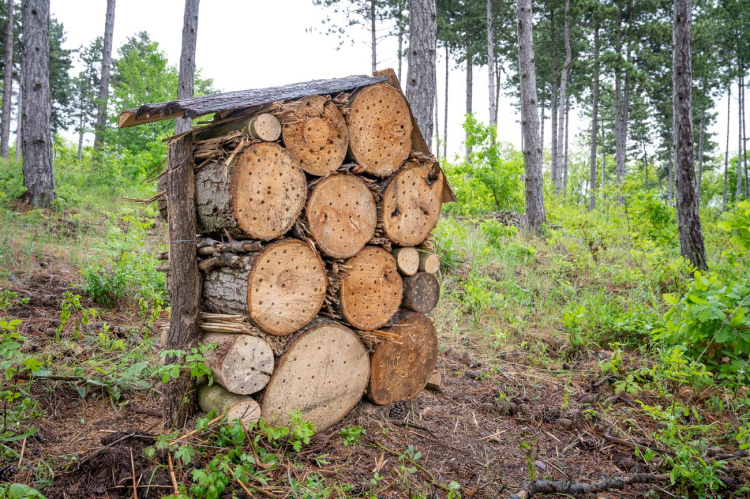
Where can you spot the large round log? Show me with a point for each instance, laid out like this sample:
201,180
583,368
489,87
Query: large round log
411,203
317,135
341,215
371,291
421,292
241,363
380,129
323,374
218,399
279,289
259,195
400,368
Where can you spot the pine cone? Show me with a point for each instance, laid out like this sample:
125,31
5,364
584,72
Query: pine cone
398,411
7,472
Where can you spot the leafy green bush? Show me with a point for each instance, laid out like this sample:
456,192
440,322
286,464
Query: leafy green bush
494,231
132,276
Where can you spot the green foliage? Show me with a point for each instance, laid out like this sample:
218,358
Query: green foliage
71,307
352,434
194,362
737,222
652,218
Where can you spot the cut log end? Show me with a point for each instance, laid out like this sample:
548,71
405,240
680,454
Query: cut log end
266,127
318,136
323,374
429,262
218,399
421,292
341,215
286,287
380,129
268,190
400,371
240,363
412,203
407,260
372,290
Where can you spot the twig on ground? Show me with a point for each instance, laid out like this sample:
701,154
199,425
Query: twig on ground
193,432
23,449
529,489
171,474
132,468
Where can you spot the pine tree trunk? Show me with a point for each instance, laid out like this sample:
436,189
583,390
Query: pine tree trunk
541,128
437,127
491,63
565,154
530,119
101,112
619,146
445,105
19,118
80,135
554,166
185,88
469,98
421,79
670,176
373,37
700,156
726,152
594,121
744,138
38,177
738,183
400,48
7,84
563,102
689,221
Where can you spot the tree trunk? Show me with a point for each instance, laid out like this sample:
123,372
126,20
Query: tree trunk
554,166
689,221
565,154
400,48
543,108
7,84
738,184
594,121
562,127
373,37
700,156
420,82
221,401
744,137
437,127
726,152
81,132
619,145
38,176
491,63
19,118
101,112
670,176
530,119
278,289
241,363
469,96
421,293
399,371
186,84
323,374
341,215
445,105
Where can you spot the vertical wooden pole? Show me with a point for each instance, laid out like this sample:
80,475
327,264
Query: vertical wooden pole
184,279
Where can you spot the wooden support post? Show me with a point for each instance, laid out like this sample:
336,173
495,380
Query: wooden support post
184,279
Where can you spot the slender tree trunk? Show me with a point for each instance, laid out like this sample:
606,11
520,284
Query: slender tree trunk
604,171
670,176
373,35
469,98
532,150
689,220
699,180
619,146
179,400
744,138
541,128
101,112
594,121
491,63
80,135
565,155
554,166
726,152
38,177
7,84
445,105
420,82
19,118
738,184
437,128
563,98
400,48
645,166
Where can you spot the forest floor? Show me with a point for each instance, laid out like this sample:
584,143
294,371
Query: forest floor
516,401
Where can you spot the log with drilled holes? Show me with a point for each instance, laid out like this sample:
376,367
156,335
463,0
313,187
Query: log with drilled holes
265,127
240,363
407,260
323,374
421,292
316,134
400,369
218,399
371,292
340,215
380,127
279,289
259,195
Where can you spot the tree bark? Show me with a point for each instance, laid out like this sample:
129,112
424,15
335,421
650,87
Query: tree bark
738,183
744,137
670,176
184,279
445,105
565,153
373,37
421,292
700,155
186,84
562,123
554,166
689,221
726,152
101,112
437,127
7,84
530,119
400,47
543,108
19,117
469,98
38,176
491,63
421,78
619,145
594,121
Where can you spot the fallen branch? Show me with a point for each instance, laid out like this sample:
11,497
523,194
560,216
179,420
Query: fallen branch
220,260
529,489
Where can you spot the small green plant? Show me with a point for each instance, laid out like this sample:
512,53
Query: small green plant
194,362
71,307
352,434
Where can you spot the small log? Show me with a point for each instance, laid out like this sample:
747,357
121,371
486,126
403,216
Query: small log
380,129
258,195
435,382
371,291
208,246
278,289
240,363
411,203
316,135
341,215
429,262
220,260
323,374
265,127
407,260
218,399
421,292
400,369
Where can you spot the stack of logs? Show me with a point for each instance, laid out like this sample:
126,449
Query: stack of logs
315,218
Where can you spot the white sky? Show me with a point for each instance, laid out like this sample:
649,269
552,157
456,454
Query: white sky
246,44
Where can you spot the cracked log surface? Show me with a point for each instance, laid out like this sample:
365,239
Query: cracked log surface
240,363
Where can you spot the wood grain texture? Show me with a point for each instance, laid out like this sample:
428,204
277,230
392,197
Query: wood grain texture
216,398
240,363
400,371
407,260
323,374
429,262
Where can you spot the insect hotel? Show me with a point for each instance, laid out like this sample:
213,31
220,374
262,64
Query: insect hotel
299,244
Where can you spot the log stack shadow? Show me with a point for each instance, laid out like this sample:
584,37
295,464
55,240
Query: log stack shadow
314,217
